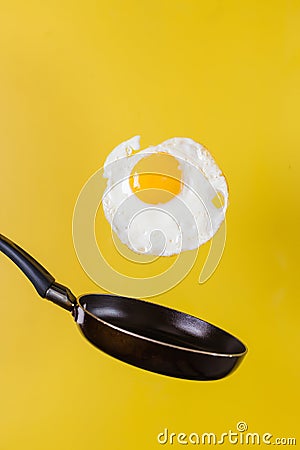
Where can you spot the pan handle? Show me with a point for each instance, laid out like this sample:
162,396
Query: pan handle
41,279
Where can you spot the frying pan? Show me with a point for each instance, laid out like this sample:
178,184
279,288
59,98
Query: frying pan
144,334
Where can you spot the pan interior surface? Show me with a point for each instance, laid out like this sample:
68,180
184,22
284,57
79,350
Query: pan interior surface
161,324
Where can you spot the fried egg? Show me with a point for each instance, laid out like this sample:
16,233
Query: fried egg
164,199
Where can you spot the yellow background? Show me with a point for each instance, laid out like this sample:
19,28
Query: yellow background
77,78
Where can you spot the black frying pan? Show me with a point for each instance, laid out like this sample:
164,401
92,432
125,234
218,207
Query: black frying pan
141,333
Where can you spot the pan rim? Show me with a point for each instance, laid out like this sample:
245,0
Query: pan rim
166,344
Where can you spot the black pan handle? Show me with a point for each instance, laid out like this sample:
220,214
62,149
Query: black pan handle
38,275
41,279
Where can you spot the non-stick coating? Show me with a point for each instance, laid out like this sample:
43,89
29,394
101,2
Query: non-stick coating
157,338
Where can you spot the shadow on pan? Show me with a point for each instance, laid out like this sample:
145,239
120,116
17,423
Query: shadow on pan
140,333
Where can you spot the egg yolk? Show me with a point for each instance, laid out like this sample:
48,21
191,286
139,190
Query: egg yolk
156,178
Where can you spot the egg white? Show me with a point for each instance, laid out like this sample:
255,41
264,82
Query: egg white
185,222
